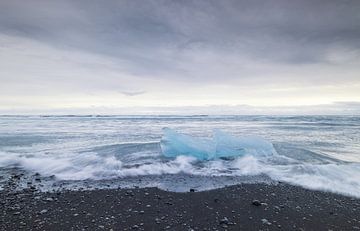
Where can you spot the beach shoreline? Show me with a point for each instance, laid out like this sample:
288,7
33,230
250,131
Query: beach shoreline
239,207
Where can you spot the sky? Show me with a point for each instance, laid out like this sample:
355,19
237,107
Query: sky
231,56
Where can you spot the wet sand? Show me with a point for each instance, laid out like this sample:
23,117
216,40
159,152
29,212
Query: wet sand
239,207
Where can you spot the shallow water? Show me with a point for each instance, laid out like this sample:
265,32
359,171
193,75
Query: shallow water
317,152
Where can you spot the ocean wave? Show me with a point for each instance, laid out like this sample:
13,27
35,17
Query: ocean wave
222,155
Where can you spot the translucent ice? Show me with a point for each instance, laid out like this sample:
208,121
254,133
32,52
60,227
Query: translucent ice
220,146
174,144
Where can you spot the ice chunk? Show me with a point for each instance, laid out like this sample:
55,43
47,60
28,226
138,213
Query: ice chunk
229,146
221,146
174,144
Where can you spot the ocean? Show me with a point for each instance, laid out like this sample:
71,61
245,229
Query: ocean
177,153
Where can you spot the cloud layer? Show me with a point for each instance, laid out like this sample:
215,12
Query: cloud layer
66,53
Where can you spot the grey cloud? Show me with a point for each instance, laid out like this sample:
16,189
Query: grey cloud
132,93
198,42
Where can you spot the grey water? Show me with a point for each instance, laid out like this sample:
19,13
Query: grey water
316,152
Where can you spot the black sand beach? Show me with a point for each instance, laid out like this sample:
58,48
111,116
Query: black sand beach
239,207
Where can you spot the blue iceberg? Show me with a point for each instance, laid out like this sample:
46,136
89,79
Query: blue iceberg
222,145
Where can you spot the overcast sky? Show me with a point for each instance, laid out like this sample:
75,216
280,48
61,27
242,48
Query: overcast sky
79,54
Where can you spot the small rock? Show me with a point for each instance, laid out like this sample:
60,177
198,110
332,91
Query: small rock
16,177
43,211
256,203
265,221
225,220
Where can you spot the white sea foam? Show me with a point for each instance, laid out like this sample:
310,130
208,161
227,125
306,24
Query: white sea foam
341,178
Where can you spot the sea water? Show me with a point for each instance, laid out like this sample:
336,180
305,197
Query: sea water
179,152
